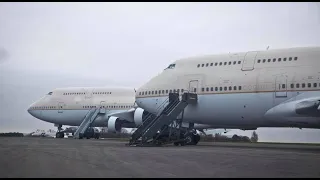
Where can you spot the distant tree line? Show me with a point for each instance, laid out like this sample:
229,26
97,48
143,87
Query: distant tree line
11,134
235,138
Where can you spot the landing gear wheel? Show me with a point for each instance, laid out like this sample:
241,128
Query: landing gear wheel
60,135
190,139
196,139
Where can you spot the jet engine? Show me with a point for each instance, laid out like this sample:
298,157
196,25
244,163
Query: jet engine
114,124
139,114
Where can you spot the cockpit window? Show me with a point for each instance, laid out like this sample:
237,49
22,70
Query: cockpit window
171,66
50,93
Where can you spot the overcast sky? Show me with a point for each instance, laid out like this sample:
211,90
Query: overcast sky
49,45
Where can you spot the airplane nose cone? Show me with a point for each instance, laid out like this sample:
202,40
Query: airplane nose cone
33,112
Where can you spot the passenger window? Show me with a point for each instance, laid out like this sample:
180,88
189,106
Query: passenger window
216,88
303,85
139,93
207,89
290,58
234,62
274,59
211,88
220,88
269,60
295,58
230,88
159,91
178,90
167,91
234,87
198,65
239,88
215,64
225,88
284,59
264,61
202,89
162,91
239,62
211,64
170,91
225,63
315,84
283,86
220,63
229,62
50,93
259,61
292,85
279,59
202,65
207,64
298,85
149,92
309,85
155,92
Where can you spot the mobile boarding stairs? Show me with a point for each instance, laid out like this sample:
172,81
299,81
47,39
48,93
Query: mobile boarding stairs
164,127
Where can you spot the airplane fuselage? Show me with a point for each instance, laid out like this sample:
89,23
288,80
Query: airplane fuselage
242,90
69,106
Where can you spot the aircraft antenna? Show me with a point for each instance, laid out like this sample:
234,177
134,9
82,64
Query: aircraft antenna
267,47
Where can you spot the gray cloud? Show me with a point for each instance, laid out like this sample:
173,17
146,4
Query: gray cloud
3,54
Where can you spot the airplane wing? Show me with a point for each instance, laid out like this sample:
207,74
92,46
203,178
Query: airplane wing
124,115
299,106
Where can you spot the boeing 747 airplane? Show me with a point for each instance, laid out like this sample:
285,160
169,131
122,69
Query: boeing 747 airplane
244,90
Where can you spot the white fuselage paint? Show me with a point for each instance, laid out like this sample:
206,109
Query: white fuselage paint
241,90
69,106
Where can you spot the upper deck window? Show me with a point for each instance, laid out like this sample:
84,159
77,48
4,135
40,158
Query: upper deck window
171,66
50,93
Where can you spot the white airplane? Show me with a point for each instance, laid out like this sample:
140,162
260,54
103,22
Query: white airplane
69,106
43,133
244,90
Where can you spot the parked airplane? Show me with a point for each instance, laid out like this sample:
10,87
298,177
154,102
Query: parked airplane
43,133
245,90
71,105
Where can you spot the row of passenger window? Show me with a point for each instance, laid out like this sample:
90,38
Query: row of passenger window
102,93
44,107
108,107
225,88
219,64
82,93
303,85
75,93
161,92
275,59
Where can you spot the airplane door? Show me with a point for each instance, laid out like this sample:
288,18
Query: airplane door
88,94
193,86
60,107
281,86
249,60
103,107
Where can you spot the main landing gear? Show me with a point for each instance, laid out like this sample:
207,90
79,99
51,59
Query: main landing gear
189,138
60,133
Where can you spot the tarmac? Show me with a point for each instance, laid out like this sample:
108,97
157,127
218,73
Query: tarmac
31,157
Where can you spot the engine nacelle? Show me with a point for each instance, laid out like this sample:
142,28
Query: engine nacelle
114,124
138,115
